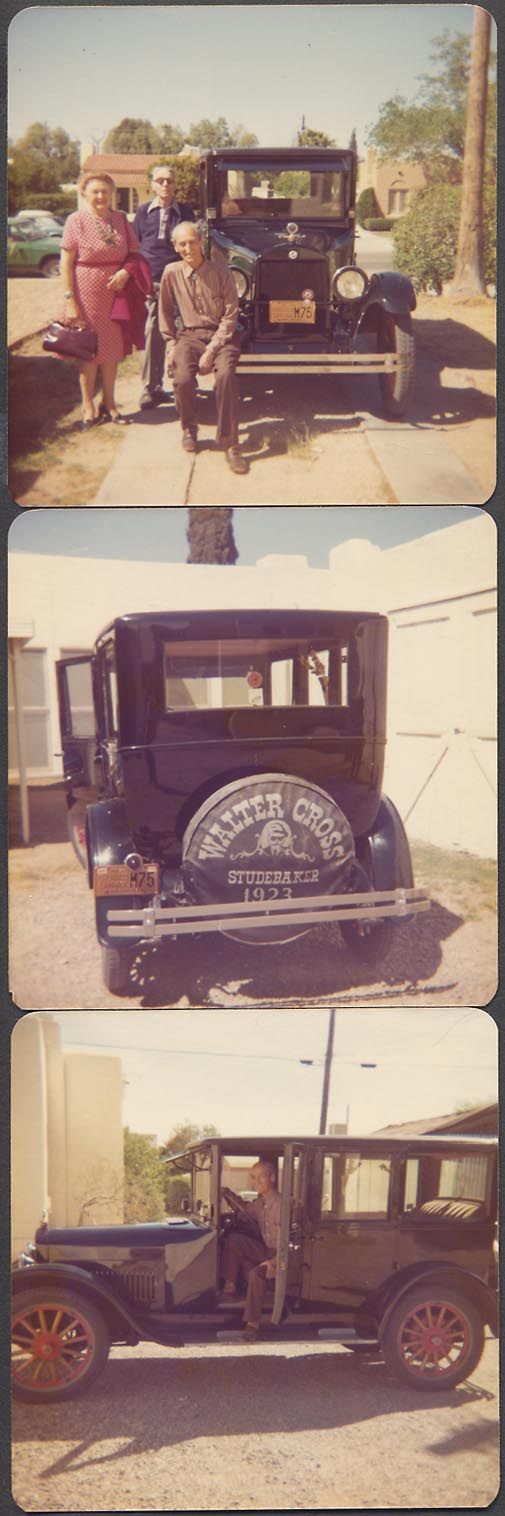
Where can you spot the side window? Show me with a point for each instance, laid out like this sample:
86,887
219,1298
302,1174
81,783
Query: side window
354,1187
109,690
80,699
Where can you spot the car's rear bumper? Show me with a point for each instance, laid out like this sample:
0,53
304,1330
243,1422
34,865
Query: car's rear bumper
151,922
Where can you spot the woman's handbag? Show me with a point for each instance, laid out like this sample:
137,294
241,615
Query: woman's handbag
71,342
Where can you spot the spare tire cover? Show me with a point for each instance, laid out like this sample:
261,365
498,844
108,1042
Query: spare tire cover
266,837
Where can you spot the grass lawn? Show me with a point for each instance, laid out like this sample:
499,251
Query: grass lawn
51,461
469,883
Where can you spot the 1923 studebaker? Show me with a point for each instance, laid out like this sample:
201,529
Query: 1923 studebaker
284,220
386,1245
224,774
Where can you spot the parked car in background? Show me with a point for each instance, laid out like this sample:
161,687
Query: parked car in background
44,219
224,774
32,249
284,220
385,1246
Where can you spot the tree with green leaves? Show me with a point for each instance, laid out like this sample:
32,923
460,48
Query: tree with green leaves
431,128
132,135
308,137
170,138
39,163
207,133
144,1178
210,535
182,1137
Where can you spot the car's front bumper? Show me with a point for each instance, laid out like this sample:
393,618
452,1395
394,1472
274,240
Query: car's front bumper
150,922
292,362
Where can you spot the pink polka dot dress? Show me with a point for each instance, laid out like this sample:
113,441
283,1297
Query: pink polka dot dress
101,249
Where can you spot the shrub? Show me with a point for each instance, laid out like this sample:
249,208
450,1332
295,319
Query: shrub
426,239
57,203
377,224
187,178
367,205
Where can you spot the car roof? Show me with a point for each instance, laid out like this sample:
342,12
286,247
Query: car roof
179,621
268,1144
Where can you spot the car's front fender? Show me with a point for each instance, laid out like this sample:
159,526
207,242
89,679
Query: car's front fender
389,292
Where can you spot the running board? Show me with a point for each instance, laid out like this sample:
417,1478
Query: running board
346,1335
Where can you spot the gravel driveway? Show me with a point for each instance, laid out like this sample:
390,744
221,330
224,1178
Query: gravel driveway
447,956
283,1427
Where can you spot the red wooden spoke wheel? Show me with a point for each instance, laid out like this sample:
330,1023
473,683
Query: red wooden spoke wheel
59,1343
433,1340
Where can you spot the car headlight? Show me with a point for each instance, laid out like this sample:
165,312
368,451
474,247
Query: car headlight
241,281
349,283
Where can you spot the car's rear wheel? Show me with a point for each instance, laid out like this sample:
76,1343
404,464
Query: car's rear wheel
434,1338
60,1343
50,268
116,965
395,335
369,941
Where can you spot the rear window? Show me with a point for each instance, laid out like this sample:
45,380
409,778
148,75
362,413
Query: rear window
259,672
291,192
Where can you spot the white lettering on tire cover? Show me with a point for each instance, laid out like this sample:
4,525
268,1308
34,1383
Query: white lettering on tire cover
273,820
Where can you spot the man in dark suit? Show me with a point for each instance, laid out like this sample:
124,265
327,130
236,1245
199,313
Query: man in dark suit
154,224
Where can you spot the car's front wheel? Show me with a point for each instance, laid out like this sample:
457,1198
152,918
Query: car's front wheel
50,268
116,965
395,335
60,1343
434,1338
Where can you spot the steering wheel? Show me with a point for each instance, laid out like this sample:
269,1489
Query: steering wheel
241,1219
235,1202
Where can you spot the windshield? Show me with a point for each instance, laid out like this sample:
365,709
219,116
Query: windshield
293,193
254,672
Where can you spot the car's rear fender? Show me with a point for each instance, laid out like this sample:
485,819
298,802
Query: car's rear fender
389,292
438,1278
108,835
385,852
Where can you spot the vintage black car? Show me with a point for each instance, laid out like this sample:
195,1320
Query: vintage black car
224,774
284,219
385,1244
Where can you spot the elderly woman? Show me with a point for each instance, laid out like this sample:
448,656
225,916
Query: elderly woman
96,243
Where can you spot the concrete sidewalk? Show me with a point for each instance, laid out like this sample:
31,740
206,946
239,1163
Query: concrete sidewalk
300,453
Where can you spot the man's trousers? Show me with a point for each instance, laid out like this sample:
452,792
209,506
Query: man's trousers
187,353
154,351
246,1255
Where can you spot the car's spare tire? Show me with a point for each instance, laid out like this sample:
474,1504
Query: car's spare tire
267,837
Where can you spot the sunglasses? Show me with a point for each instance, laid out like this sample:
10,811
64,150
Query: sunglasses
163,181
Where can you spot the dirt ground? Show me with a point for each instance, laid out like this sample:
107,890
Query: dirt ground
52,463
265,1428
447,956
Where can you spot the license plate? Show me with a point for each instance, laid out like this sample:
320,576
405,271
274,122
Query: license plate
302,311
118,879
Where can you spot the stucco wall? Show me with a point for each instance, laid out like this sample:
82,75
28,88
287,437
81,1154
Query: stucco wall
67,1132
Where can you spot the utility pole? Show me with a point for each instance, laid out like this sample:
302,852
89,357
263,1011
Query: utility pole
327,1074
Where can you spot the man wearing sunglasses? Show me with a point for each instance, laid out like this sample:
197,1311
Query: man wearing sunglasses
154,224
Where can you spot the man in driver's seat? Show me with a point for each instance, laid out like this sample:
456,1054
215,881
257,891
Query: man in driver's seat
254,1257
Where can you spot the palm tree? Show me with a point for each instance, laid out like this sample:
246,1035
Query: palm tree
469,272
210,535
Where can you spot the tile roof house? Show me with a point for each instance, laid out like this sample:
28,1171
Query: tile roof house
130,172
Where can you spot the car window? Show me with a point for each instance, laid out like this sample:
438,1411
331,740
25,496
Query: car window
259,672
432,1177
354,1187
256,193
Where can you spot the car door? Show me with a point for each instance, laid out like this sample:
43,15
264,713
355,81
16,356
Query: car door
350,1237
82,767
18,247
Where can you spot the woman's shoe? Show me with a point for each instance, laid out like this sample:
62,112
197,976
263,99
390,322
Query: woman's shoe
117,420
87,422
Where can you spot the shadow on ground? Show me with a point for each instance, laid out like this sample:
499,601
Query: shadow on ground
222,1397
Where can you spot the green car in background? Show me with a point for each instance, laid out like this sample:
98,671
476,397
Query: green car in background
33,251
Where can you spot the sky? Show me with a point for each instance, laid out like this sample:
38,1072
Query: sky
160,535
263,66
246,1071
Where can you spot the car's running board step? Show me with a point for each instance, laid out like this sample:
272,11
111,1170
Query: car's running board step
345,1335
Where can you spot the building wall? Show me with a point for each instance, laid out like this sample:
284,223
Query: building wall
394,180
67,1132
439,592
